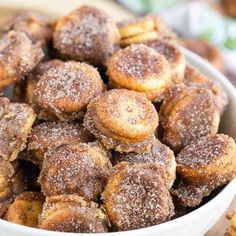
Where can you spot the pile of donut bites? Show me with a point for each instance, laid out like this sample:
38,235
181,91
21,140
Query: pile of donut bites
109,128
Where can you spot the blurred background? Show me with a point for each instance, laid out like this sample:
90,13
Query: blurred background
207,27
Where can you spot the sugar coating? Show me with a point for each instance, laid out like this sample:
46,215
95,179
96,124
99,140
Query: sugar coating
76,168
68,88
136,196
73,214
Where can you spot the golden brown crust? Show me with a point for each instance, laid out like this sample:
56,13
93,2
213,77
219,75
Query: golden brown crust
12,182
186,115
143,29
16,120
71,213
122,119
137,196
206,50
159,154
203,166
142,69
54,134
86,34
173,55
76,168
25,209
64,90
18,57
35,25
193,78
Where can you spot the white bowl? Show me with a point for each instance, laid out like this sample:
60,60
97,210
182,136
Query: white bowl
196,223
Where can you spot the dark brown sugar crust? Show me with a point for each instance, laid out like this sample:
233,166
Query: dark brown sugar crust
76,168
137,196
86,34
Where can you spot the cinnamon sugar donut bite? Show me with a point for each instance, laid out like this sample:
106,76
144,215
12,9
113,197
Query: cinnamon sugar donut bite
71,213
193,78
143,29
173,55
205,165
123,120
137,196
16,120
54,134
86,34
25,209
12,182
35,25
77,168
65,89
18,57
186,115
140,68
159,154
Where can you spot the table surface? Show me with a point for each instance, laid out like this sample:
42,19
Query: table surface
61,7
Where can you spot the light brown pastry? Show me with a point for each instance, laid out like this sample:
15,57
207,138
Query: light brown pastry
80,168
18,57
25,209
86,34
203,166
123,120
186,115
71,213
16,120
142,69
137,196
65,89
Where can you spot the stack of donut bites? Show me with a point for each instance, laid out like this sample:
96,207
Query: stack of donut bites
109,128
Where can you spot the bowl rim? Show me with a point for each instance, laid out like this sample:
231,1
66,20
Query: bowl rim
227,190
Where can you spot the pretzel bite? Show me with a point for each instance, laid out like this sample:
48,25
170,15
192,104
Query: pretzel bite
71,213
207,51
12,182
76,168
186,115
123,120
173,55
54,134
25,209
159,154
64,90
86,34
143,29
205,165
18,57
35,25
142,69
16,120
193,78
137,196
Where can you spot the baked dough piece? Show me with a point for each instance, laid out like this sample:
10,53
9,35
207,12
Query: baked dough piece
25,209
137,196
123,120
71,213
86,34
18,57
16,120
186,115
140,68
203,166
77,168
